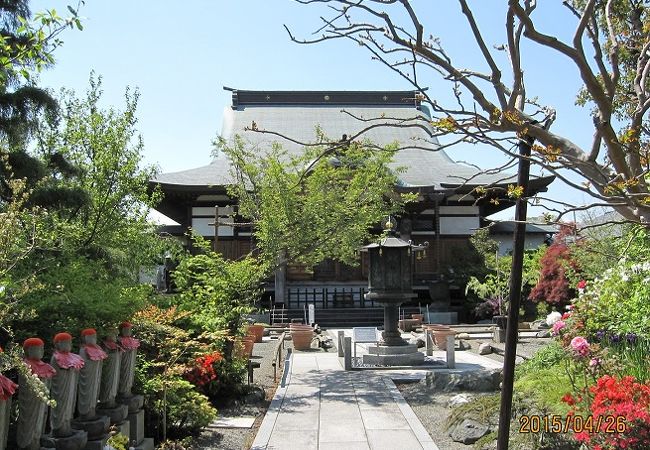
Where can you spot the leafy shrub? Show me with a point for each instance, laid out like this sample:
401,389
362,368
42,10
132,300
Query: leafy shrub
79,294
165,354
118,441
617,302
187,411
217,292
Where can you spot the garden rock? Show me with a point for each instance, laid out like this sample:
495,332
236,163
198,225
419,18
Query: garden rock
473,381
463,336
543,334
456,400
464,345
469,431
417,340
539,325
484,349
255,396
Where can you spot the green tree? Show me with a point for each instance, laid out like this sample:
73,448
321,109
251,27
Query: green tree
85,268
317,205
106,150
26,47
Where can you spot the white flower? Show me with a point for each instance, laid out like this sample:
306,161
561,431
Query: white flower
552,318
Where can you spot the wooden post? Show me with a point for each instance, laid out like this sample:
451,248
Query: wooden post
216,227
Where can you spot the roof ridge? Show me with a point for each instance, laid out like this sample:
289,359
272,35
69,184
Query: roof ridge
410,98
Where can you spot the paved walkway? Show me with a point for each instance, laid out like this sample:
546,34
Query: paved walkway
323,407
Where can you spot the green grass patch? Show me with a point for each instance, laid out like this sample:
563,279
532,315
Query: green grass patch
543,379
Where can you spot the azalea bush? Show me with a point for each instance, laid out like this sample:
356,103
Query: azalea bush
612,404
167,353
616,414
618,302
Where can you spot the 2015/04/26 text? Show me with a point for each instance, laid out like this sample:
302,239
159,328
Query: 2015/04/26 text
571,423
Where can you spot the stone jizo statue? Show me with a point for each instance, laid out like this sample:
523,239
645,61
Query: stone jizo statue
110,371
127,369
90,374
7,390
32,408
64,384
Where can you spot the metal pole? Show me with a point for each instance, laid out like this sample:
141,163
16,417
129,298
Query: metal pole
514,296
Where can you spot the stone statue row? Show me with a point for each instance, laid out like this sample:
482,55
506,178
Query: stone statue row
92,391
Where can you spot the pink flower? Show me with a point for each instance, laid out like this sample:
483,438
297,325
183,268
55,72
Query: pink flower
595,362
581,284
557,326
580,345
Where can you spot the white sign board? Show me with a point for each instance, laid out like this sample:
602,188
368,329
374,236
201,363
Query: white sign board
364,334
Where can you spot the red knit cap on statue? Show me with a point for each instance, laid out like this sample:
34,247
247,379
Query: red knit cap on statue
62,337
126,325
33,342
88,332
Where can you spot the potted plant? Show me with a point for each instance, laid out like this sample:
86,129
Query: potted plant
256,331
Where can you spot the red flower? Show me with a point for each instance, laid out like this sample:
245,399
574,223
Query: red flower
626,401
568,399
581,284
203,372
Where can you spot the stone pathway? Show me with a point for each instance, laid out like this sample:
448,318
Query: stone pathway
323,407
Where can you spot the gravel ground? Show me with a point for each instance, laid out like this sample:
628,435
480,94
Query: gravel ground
242,438
432,408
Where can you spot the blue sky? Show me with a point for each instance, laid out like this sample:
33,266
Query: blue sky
180,54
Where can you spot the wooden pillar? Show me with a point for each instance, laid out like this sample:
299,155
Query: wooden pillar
216,228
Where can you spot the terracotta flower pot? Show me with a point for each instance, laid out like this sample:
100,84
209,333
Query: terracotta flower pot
256,331
300,327
440,337
302,339
244,347
419,317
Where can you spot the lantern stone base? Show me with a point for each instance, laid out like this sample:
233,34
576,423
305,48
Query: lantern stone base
402,355
76,441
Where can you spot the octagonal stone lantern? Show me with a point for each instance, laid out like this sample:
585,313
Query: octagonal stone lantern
390,284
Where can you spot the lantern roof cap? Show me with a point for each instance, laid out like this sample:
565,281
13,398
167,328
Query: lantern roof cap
393,242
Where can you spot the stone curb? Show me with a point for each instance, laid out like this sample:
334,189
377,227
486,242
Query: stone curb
268,423
418,429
